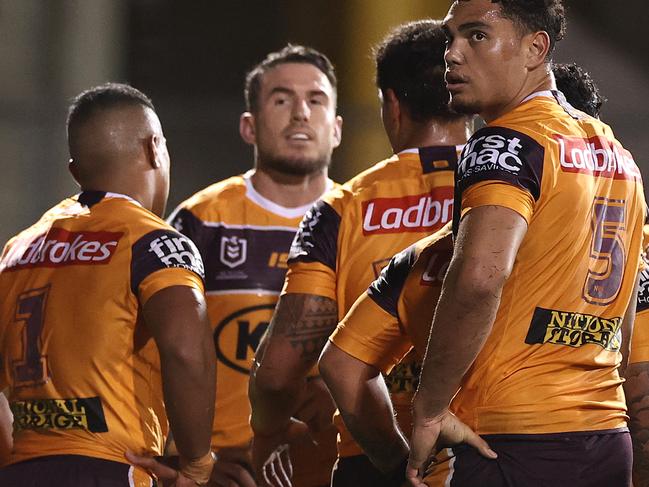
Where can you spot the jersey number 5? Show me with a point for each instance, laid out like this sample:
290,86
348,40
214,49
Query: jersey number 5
607,257
30,368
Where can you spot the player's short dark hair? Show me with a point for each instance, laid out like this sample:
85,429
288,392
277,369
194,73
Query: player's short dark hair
579,88
537,15
108,95
410,61
290,54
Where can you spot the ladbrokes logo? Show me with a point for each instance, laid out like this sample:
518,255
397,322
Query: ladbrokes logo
597,156
177,251
59,248
417,213
574,329
491,152
61,414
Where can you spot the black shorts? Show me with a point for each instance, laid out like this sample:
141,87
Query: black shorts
583,459
359,471
72,471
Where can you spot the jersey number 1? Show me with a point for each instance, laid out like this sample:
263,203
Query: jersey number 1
607,257
31,368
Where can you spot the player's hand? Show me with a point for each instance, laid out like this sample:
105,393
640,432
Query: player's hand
271,454
233,468
430,435
318,407
169,477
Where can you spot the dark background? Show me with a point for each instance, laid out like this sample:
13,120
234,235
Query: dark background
191,58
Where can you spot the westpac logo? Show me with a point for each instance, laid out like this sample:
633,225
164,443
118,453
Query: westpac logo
177,251
234,251
596,156
498,152
416,213
60,247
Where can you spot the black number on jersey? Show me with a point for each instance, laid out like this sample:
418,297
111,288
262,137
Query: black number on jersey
607,257
30,368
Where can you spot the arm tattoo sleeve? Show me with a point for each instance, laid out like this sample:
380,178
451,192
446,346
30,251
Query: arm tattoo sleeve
306,320
636,389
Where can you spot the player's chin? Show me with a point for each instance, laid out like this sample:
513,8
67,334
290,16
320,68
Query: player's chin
300,164
462,103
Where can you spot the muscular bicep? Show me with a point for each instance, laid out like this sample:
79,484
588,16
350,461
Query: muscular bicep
297,334
636,389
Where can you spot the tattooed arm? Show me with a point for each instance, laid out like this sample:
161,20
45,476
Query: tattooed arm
290,348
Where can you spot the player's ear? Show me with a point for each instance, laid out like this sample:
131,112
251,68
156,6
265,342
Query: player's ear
155,150
538,46
392,105
247,128
74,170
338,131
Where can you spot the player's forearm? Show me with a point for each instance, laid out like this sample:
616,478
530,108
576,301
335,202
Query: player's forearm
364,402
636,389
289,350
463,320
188,381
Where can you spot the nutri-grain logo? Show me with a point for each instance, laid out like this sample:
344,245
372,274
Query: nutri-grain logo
59,247
415,213
597,156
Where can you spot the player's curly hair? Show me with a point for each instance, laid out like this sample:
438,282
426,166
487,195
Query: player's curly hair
410,61
290,54
579,88
537,15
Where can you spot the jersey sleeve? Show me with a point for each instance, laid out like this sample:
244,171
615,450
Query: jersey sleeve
372,335
314,252
640,338
499,166
164,258
184,221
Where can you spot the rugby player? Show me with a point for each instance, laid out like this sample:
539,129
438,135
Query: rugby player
578,87
103,314
525,343
243,227
394,314
347,237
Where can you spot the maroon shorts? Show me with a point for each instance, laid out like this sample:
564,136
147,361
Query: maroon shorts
68,471
583,459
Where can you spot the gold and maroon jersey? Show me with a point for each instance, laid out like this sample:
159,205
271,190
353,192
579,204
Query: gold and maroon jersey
82,370
550,362
640,339
352,232
395,315
244,240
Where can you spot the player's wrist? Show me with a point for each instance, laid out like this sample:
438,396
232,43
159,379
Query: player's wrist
198,469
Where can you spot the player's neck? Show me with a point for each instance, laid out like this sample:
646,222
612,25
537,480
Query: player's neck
289,191
434,133
543,82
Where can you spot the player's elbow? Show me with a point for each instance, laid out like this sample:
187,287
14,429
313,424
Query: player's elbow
274,380
481,279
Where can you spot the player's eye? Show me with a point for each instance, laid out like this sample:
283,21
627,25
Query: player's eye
478,36
316,101
280,100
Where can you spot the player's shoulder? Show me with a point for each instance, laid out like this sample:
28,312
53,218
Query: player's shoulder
205,204
390,169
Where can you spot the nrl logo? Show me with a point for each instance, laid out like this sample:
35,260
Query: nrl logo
233,251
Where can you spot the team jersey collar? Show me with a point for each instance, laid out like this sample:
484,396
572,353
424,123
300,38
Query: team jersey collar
283,211
90,198
544,93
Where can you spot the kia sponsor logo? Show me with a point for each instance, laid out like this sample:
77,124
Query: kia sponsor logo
489,153
596,156
59,247
416,213
178,251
